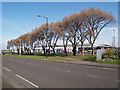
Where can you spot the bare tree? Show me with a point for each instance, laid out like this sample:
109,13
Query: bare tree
65,37
10,43
75,28
82,36
94,21
17,44
27,42
40,35
54,34
72,24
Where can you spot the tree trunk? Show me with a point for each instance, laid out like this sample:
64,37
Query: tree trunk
92,49
18,51
30,51
53,51
44,51
49,50
81,48
21,51
65,50
74,50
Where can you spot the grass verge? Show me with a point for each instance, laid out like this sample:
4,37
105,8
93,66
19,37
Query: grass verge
50,58
90,58
110,61
86,57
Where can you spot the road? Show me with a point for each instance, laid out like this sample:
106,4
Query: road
29,73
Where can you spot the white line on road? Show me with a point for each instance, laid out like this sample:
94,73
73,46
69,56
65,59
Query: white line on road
95,76
66,71
27,81
101,67
110,68
7,69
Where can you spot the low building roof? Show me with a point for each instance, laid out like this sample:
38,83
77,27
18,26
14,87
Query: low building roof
87,44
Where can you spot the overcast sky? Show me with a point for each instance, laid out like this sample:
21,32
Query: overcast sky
21,17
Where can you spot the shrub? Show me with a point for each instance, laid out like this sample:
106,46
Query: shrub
117,53
109,52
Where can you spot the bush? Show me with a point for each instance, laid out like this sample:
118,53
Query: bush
117,53
109,53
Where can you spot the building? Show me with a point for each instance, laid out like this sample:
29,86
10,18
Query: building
60,48
103,46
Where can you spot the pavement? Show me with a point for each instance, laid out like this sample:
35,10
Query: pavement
6,84
33,73
81,62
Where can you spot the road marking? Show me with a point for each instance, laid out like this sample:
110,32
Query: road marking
101,67
27,81
95,76
66,71
110,68
7,69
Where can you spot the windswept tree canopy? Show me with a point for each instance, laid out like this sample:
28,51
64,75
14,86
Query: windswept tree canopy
94,21
75,28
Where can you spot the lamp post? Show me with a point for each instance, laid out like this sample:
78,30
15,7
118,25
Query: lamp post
20,48
113,43
45,31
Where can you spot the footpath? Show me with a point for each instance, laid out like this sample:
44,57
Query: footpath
87,63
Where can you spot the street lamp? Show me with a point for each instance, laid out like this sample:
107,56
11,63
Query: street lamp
113,43
45,32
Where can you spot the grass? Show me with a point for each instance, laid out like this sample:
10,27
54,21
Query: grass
110,61
90,58
50,58
86,57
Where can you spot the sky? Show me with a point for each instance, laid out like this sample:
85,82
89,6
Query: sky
60,0
21,17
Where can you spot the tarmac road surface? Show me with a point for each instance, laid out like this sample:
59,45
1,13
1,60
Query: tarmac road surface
31,73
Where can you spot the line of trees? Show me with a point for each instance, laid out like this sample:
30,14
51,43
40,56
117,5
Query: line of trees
76,28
